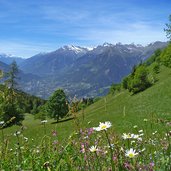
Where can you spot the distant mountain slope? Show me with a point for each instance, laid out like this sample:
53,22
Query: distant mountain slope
85,72
4,67
51,63
23,78
112,64
8,59
82,71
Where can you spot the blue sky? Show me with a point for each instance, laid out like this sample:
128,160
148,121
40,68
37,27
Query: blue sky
28,27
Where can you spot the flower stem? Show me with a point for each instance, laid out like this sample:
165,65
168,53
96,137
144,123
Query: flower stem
2,130
111,151
44,128
98,161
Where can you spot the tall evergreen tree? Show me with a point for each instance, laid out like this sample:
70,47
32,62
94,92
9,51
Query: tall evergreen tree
1,92
10,102
1,74
12,75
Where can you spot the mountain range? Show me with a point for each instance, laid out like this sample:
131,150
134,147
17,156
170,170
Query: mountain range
79,70
8,59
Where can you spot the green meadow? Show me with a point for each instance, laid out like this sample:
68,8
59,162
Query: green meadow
122,109
121,131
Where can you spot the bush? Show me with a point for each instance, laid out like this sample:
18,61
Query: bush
114,88
154,58
156,68
138,80
165,56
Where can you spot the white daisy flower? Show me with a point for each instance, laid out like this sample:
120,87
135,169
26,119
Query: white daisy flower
136,136
93,149
131,153
103,126
127,136
96,128
124,136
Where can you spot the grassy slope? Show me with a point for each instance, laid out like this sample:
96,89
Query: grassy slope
154,101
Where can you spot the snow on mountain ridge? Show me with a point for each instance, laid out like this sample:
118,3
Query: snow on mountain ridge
76,49
107,44
90,48
5,55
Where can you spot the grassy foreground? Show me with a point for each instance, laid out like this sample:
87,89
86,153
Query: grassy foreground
97,148
46,146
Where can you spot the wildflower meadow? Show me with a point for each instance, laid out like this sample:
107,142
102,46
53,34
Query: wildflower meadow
97,148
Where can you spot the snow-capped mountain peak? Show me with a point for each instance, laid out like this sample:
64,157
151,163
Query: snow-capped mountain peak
5,55
76,49
8,58
107,44
90,48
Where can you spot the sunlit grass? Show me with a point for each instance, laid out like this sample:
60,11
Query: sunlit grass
97,148
149,111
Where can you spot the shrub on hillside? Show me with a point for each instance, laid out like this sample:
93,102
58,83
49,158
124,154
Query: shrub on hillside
154,58
156,68
114,88
165,56
138,80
